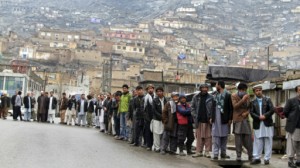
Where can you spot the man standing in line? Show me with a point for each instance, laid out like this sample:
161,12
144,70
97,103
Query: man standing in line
72,106
202,105
170,126
5,103
292,113
148,105
261,111
42,107
102,114
13,101
33,111
52,107
106,106
131,117
90,111
98,111
221,119
241,126
82,109
28,107
115,112
157,125
138,108
18,104
123,110
63,108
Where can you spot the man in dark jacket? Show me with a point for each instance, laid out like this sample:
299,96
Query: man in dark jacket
52,105
157,125
107,119
115,110
71,113
261,111
13,101
63,108
170,125
82,105
202,105
292,113
221,117
148,110
138,108
131,118
5,103
28,107
90,111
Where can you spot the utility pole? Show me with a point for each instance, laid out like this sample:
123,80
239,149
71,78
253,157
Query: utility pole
268,58
107,75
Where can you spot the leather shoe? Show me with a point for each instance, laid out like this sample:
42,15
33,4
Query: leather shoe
267,162
291,164
255,161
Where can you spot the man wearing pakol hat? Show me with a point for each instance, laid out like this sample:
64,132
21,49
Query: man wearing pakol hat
202,105
261,111
241,126
185,126
5,103
157,125
170,126
148,106
292,113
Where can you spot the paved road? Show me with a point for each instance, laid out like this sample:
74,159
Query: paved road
36,145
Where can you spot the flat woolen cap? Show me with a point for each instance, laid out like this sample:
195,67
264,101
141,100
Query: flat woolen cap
149,86
174,94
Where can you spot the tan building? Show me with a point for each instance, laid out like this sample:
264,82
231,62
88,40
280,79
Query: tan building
129,50
3,45
84,55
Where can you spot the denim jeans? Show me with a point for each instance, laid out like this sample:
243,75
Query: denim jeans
123,126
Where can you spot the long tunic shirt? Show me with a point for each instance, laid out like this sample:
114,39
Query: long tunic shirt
219,129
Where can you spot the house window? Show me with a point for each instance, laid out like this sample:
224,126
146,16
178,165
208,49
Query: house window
119,47
134,49
141,50
124,48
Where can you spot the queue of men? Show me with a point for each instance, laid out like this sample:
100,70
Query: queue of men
152,121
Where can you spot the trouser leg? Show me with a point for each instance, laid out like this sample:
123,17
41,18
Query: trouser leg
173,144
62,116
156,141
208,144
29,116
268,146
190,138
26,115
258,145
117,125
139,124
223,145
149,135
238,145
181,135
165,141
216,146
247,143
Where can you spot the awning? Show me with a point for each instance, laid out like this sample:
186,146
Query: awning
267,85
290,84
